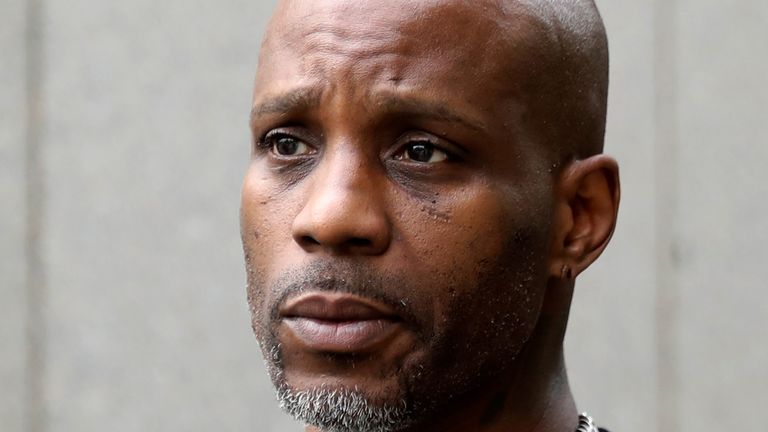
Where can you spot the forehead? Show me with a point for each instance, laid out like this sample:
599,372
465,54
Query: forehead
469,47
383,20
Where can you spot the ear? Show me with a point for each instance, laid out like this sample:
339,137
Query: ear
587,197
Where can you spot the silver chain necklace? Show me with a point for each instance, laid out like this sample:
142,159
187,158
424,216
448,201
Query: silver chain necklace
586,424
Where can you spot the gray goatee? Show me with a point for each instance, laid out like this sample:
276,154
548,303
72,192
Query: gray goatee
342,410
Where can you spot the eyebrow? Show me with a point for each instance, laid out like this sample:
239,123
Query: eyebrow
299,99
427,109
304,99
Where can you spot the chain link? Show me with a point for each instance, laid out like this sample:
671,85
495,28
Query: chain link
586,424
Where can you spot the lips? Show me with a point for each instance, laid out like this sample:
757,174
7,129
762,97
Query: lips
339,323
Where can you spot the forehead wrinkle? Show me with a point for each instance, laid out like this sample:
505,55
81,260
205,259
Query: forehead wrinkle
344,30
324,37
321,51
329,37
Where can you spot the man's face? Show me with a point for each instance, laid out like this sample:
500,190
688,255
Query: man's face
396,211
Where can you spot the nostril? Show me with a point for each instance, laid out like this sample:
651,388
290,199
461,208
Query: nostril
359,242
309,240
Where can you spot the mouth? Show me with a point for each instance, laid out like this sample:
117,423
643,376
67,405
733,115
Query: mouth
339,323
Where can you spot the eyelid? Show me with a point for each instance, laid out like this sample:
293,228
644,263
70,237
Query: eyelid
264,144
452,150
277,132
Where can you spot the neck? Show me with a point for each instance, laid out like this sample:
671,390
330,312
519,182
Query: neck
535,397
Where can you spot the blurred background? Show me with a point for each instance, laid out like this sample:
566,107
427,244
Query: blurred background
123,139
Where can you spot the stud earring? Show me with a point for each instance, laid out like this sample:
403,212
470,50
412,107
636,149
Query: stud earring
566,272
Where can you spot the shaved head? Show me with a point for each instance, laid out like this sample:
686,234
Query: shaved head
565,81
577,73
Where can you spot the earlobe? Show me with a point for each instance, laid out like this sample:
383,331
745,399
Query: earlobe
586,206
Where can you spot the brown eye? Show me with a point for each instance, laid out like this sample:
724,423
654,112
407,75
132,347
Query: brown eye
422,152
285,145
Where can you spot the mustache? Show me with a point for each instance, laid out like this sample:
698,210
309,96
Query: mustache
388,289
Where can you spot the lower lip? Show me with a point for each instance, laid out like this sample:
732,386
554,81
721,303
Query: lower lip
341,337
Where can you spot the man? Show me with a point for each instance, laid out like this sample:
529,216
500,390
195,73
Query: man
426,183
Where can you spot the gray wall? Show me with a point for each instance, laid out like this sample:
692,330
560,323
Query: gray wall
122,142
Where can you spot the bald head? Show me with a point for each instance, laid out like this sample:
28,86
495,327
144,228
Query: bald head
575,83
555,53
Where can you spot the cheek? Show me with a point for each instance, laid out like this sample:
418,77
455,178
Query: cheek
481,261
455,231
265,218
265,224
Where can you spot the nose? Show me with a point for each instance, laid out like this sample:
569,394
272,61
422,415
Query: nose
344,212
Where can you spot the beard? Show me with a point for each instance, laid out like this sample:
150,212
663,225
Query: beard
334,409
472,339
343,410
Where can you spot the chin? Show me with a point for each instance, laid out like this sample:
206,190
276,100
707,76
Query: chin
380,391
345,404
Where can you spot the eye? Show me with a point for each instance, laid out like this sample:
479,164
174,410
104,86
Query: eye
422,152
282,144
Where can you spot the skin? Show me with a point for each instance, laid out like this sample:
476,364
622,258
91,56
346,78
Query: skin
400,159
